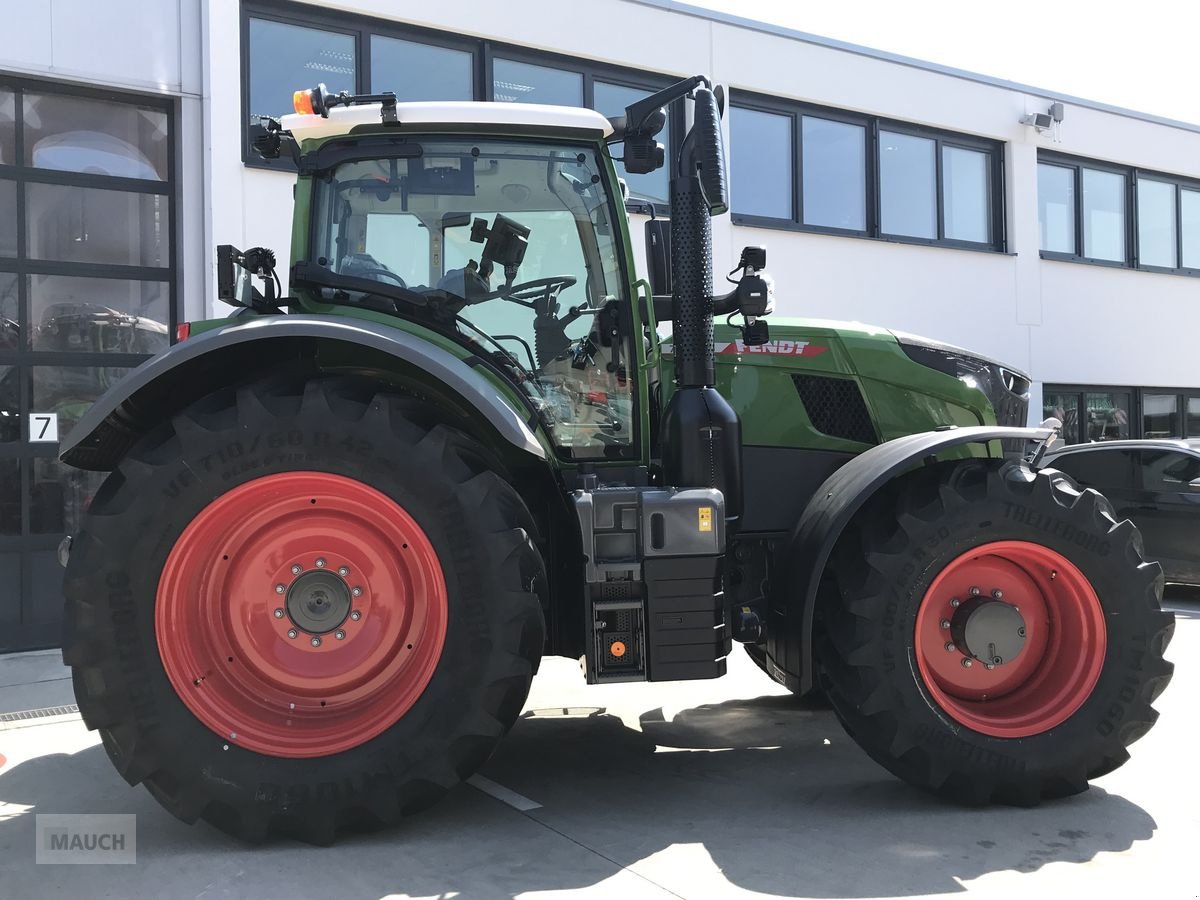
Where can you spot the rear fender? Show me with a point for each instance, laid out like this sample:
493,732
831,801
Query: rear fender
220,357
794,594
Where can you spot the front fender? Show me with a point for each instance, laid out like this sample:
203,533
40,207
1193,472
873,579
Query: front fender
794,594
213,359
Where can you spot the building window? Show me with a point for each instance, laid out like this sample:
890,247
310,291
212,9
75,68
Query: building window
833,163
416,71
907,185
87,292
761,174
1156,224
288,47
1103,215
860,176
1095,212
1160,416
518,82
1110,414
1056,208
284,58
966,191
1189,208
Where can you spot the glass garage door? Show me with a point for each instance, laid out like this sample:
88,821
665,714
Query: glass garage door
86,293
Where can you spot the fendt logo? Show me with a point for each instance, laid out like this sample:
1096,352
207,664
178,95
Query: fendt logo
774,348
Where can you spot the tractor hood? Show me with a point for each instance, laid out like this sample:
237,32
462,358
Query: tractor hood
847,385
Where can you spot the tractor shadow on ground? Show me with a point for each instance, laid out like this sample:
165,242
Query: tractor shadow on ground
766,794
784,803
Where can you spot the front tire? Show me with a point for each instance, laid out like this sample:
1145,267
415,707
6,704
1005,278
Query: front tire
300,607
1069,600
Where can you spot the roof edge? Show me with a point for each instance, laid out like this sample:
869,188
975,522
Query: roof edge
725,18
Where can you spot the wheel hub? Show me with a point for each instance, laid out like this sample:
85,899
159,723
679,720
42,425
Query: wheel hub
989,630
318,602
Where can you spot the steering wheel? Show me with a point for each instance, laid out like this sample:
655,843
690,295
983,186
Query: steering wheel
531,290
386,273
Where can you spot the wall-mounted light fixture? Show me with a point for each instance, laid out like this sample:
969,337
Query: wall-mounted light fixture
1048,122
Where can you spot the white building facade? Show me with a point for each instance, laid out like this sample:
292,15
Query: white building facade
886,190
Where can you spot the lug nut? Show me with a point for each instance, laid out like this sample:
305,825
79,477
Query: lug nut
279,588
989,666
297,569
279,613
357,592
954,602
292,633
321,562
966,663
356,615
975,592
344,571
997,594
950,648
945,623
316,642
1053,574
339,634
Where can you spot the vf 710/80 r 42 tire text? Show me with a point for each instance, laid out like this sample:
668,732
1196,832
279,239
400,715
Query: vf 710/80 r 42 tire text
302,606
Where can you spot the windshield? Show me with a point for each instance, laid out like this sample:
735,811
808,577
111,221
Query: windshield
510,246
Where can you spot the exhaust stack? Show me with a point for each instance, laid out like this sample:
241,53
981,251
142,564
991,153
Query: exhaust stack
702,441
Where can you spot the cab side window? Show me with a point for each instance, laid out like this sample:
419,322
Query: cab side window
401,243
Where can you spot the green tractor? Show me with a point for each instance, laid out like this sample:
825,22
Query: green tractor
343,526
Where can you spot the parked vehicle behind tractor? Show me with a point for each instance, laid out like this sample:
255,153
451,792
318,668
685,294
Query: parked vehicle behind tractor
343,526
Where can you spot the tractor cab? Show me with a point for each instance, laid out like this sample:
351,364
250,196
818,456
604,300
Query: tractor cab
509,247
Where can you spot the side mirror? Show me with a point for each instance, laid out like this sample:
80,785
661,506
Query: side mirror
710,152
658,255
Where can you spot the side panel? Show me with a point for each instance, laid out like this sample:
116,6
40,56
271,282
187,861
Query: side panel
794,592
778,483
118,418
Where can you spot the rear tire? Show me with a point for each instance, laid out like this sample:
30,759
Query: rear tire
1068,717
140,623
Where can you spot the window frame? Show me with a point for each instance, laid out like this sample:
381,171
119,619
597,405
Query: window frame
28,544
483,53
1137,395
1132,175
872,180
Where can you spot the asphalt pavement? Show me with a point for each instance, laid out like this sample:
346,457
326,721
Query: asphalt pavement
711,789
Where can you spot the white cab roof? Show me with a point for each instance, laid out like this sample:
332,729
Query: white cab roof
342,118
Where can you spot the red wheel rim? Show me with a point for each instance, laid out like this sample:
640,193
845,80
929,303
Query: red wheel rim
1052,674
301,614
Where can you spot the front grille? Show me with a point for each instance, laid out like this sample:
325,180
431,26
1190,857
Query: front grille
835,406
1008,393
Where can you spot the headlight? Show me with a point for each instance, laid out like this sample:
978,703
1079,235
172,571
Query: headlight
1005,388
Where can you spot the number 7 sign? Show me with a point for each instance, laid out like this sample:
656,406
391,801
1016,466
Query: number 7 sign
43,428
